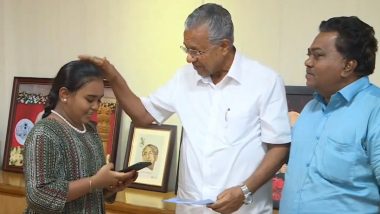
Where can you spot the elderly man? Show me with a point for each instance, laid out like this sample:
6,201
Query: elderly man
233,111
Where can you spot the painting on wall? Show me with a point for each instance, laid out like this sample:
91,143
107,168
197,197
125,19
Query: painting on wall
28,99
107,121
153,144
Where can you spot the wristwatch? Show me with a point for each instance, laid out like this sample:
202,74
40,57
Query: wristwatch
248,197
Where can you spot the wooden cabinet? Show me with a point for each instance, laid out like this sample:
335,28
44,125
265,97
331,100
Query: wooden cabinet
131,201
12,193
135,201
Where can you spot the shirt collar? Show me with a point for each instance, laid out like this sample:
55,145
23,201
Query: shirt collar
354,88
235,72
349,91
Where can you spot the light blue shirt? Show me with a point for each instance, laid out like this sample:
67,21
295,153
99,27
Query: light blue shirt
334,164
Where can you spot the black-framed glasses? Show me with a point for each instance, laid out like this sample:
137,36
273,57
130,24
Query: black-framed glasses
192,52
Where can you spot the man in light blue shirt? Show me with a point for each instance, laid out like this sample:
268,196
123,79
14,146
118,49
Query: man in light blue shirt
334,164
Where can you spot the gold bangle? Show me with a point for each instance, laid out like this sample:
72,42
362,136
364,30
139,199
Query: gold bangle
90,184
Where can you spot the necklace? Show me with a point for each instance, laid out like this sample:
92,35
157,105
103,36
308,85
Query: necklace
68,123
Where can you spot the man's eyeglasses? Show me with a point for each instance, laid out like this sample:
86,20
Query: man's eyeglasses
192,52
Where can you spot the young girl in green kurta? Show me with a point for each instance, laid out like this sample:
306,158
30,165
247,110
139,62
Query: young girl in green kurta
65,168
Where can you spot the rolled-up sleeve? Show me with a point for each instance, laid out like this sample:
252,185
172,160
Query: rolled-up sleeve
275,126
162,103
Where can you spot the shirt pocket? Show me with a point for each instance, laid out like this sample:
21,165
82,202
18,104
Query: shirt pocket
337,161
239,126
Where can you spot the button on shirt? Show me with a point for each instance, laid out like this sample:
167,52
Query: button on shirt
334,164
224,127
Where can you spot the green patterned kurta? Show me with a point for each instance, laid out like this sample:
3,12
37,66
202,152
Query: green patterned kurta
54,155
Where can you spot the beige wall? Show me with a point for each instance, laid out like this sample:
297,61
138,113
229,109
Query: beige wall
142,38
278,32
4,88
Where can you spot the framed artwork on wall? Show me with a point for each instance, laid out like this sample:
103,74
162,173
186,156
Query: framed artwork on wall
107,122
155,144
297,97
28,100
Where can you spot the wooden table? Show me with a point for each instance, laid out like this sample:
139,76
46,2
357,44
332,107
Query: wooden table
141,201
131,201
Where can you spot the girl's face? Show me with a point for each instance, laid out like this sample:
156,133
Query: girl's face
82,104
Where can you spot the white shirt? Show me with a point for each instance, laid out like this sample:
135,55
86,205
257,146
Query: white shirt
224,127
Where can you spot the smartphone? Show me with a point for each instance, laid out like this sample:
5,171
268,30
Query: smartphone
136,166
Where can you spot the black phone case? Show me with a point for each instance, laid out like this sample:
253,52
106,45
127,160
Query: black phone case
136,166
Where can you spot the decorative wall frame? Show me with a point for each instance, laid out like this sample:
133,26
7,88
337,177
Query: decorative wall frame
28,99
154,143
27,102
107,122
297,97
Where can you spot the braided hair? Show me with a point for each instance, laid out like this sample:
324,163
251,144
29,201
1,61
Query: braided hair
72,76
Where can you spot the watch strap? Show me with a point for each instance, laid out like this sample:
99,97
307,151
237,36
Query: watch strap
248,198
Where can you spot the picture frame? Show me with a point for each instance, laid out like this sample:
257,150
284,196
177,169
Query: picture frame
28,98
153,143
297,97
107,122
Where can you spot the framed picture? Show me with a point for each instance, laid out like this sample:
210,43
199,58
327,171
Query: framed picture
154,144
107,120
28,100
297,97
27,105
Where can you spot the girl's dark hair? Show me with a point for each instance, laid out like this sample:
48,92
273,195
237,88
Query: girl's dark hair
72,76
